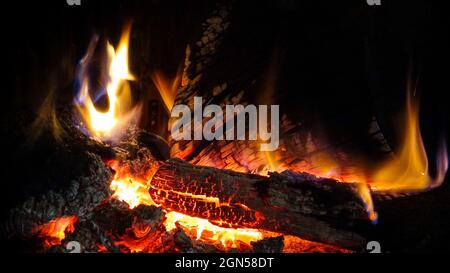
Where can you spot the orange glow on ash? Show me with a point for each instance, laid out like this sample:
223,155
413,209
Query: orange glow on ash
56,230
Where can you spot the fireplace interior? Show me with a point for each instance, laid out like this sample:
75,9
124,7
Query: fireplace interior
90,163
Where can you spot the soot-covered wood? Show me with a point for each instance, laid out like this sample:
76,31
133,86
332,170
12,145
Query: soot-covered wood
300,204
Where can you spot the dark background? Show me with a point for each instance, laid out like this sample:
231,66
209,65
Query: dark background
338,62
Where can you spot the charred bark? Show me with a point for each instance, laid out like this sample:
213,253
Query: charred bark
317,209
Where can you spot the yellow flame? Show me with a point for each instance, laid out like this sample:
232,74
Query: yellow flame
272,163
118,93
408,170
366,196
135,192
132,192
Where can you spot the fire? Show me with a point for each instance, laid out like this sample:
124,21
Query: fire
135,191
203,229
366,196
55,231
408,170
272,164
167,88
131,191
129,188
118,92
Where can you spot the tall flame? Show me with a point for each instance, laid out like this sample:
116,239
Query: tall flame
118,92
408,170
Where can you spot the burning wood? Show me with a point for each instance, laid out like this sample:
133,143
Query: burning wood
55,231
245,200
292,203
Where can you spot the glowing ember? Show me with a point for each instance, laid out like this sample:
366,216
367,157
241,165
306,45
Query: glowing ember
130,187
293,244
56,230
408,171
132,192
208,232
136,192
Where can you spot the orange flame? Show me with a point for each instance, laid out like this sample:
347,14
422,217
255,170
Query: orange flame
272,164
135,191
130,189
408,170
55,231
167,88
118,92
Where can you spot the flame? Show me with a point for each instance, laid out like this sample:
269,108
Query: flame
118,92
55,231
203,229
135,191
131,191
129,188
408,171
167,88
272,164
366,197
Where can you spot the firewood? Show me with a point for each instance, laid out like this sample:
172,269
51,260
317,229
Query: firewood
317,209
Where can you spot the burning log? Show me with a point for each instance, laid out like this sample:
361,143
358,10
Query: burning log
317,209
296,204
71,180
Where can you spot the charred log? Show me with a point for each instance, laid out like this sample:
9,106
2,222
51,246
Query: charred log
300,204
58,177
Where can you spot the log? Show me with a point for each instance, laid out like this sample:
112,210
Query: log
66,176
58,178
317,209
